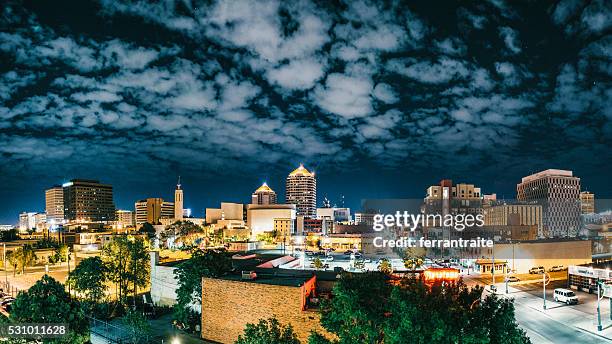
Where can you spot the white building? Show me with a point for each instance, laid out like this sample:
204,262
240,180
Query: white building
32,221
260,218
334,214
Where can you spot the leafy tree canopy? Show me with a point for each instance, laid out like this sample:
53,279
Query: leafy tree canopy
365,308
267,332
89,278
48,302
203,263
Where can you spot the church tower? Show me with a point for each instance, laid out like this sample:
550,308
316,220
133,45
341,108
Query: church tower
178,201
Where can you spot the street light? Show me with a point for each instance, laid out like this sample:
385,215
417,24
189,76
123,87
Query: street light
544,283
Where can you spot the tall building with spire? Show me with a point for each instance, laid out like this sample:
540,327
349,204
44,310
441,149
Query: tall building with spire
302,191
264,195
178,201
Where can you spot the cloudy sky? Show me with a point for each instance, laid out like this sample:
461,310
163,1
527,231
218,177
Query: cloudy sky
380,99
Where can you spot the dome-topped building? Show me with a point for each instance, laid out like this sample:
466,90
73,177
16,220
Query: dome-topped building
302,191
264,195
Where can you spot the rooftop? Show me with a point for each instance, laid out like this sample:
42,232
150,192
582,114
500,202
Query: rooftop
547,173
301,171
264,188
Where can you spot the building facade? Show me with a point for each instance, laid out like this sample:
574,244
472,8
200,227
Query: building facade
301,190
88,201
558,192
54,204
31,221
447,198
228,211
151,210
264,195
261,218
503,215
125,218
587,202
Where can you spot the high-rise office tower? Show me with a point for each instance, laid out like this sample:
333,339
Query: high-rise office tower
151,210
263,195
178,201
558,191
302,191
88,200
54,204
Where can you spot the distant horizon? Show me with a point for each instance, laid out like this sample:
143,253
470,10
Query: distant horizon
167,194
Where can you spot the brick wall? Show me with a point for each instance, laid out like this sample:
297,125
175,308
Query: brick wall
227,306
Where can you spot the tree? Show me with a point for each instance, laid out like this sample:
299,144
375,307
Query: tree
357,310
413,263
127,262
27,257
266,332
13,258
61,253
385,267
48,302
203,263
318,264
366,309
89,278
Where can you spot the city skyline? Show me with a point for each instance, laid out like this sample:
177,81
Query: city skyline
320,198
483,92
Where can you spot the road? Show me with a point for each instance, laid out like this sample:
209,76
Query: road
560,323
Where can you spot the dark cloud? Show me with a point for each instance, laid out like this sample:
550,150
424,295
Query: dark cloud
227,93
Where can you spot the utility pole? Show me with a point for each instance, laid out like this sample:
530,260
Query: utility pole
599,327
544,288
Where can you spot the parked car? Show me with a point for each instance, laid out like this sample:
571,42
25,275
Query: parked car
6,301
566,296
536,270
348,252
557,268
513,279
493,288
329,258
358,255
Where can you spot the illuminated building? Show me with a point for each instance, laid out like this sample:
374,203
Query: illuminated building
502,215
54,204
365,218
447,198
88,200
264,195
334,214
178,201
283,227
441,274
261,218
228,211
151,210
125,218
587,202
558,191
301,190
31,221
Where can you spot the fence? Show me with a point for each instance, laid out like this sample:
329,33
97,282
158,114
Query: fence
9,289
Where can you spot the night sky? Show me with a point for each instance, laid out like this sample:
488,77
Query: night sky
381,100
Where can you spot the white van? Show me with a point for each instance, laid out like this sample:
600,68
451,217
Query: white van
565,295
